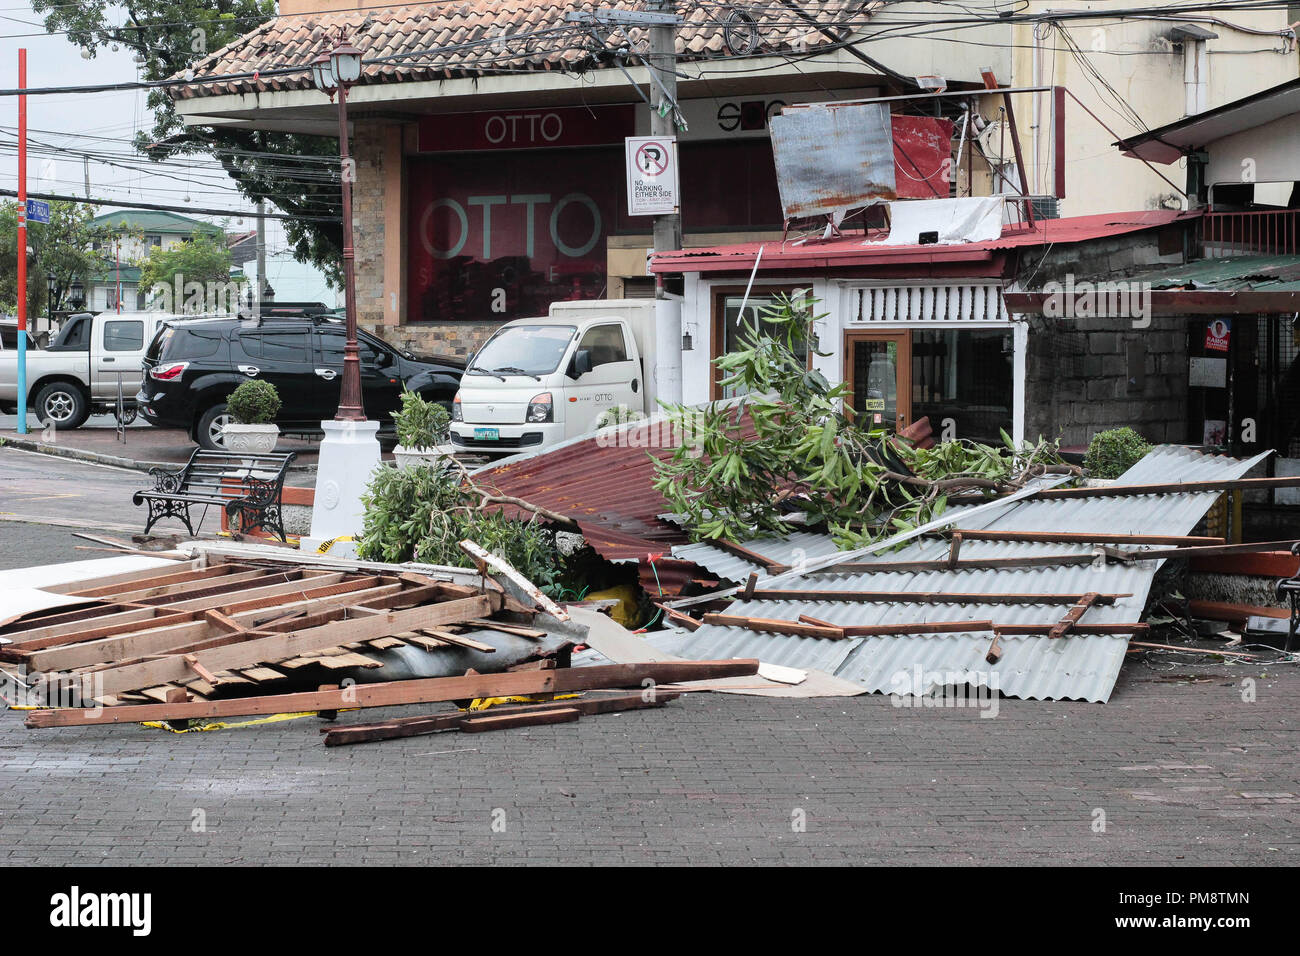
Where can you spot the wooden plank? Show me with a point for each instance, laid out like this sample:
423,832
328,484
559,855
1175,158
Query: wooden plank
745,554
925,597
433,723
1233,613
479,725
516,629
775,626
930,627
124,622
1085,537
110,584
169,593
1186,487
1083,629
269,650
485,559
223,598
1266,564
421,691
1063,626
447,637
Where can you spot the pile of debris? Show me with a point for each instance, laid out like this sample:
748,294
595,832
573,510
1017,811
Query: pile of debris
1038,595
252,633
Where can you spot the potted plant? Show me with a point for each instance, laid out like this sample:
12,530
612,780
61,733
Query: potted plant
253,407
1113,452
423,432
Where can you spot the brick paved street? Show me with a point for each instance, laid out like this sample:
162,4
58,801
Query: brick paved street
1186,773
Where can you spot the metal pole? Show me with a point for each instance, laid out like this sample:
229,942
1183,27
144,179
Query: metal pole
260,291
662,64
350,409
22,244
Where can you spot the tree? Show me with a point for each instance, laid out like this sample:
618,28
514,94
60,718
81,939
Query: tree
63,247
191,276
168,38
806,457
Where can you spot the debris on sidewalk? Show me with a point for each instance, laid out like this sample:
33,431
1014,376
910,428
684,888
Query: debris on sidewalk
1036,595
246,631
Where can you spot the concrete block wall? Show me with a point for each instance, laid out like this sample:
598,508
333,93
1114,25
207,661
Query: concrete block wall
1085,375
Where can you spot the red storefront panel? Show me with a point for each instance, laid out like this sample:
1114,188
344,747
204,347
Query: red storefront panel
504,235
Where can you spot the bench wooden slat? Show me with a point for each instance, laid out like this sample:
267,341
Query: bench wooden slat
250,488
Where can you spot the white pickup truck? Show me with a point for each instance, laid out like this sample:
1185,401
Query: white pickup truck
77,373
537,382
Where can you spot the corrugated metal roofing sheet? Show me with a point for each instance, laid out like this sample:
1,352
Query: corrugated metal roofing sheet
1230,274
1078,667
854,251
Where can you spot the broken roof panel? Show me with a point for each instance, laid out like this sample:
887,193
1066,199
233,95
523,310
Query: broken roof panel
1032,666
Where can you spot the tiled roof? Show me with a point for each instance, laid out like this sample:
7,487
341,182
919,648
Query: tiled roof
476,38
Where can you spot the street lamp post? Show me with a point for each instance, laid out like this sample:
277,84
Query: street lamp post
349,452
334,72
52,287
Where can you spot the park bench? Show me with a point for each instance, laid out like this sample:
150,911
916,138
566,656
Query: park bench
247,486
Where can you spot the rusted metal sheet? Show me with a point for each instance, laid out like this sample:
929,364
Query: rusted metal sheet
831,158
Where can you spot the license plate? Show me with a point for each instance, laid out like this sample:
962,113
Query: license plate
487,434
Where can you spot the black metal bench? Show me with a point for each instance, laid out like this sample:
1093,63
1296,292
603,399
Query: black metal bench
247,486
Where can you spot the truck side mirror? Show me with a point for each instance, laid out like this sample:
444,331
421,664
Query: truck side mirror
580,364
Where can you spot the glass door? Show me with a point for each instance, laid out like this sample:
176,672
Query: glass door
878,369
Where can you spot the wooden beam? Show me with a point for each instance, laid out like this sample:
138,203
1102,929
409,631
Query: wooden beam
1086,537
774,626
1082,629
485,559
422,691
110,584
560,715
925,597
269,650
1063,626
434,723
753,557
1185,487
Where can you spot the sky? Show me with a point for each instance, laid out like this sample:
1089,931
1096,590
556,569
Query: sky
67,120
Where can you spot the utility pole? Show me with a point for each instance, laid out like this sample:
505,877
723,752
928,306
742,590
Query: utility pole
22,244
85,168
260,292
663,110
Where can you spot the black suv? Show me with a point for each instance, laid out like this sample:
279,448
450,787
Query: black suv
193,365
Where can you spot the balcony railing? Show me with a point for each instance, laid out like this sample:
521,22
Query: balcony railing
1274,232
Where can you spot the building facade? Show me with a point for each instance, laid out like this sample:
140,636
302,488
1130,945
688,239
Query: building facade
487,137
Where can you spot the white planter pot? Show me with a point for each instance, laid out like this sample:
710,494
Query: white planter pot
414,457
254,439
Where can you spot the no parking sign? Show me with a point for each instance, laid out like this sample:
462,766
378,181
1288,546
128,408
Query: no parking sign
652,183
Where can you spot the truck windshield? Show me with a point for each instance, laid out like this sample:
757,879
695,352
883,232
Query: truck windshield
523,350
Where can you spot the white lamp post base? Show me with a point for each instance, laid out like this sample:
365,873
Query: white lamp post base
349,455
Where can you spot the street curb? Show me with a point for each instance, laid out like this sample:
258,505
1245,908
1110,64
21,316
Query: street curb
94,457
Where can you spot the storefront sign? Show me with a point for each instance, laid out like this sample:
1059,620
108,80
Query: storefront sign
526,129
652,187
1217,334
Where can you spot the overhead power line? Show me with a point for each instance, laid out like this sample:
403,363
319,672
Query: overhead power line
162,207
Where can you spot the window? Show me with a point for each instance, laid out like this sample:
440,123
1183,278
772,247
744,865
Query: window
153,240
332,343
727,330
123,336
289,346
531,349
964,375
605,344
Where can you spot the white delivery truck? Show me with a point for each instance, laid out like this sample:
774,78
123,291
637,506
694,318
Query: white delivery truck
538,382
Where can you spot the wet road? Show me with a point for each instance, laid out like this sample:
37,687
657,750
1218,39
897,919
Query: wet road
58,491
